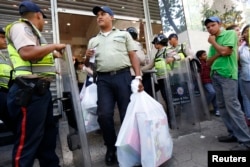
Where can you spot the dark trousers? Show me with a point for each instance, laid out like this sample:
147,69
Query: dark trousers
146,81
4,115
112,89
36,130
163,88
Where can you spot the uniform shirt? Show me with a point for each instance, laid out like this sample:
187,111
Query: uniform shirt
140,53
22,35
188,52
245,62
226,66
111,51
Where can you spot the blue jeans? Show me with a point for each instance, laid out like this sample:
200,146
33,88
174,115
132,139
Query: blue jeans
210,95
112,89
230,109
245,93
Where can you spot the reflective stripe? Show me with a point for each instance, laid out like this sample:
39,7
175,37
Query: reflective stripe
37,69
4,80
4,62
22,137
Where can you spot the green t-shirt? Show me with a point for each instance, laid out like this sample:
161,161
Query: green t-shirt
225,66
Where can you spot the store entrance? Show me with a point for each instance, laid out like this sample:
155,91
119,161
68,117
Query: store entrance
77,30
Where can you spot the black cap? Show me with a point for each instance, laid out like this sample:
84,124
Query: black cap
28,6
2,30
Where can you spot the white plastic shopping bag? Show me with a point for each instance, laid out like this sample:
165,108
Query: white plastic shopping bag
155,139
89,100
144,137
156,142
89,108
128,141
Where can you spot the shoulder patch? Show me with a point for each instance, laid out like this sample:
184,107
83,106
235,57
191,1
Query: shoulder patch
28,31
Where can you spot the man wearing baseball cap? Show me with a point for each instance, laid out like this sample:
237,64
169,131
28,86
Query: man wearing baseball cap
212,19
222,57
29,98
114,52
28,6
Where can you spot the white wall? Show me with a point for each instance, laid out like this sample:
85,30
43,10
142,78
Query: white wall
197,40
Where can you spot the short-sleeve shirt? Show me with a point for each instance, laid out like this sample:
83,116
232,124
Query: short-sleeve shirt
22,35
245,63
225,66
139,52
111,52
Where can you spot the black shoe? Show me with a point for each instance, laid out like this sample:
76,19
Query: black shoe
240,147
227,139
110,157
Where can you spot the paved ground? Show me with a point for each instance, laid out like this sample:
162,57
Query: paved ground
189,150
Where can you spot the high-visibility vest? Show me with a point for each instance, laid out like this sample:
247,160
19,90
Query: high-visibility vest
180,50
5,68
45,66
161,66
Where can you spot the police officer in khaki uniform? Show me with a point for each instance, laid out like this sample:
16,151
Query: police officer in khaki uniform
146,78
182,49
29,99
5,68
114,54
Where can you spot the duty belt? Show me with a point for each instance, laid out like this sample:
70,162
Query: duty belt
3,89
114,72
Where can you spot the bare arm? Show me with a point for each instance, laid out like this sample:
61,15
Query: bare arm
148,66
136,66
222,50
211,60
34,53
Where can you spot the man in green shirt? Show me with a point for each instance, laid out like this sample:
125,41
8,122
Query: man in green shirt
222,57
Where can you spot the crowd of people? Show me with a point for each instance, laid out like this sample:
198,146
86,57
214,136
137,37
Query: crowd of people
28,69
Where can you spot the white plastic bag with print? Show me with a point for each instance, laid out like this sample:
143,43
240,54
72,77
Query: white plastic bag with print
156,142
145,121
128,141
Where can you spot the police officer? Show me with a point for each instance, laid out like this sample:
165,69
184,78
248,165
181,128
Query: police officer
182,48
165,59
114,55
146,78
29,99
5,68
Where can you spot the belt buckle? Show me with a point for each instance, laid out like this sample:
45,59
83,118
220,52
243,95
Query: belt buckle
112,72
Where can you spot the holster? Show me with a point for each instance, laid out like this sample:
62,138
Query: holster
28,87
24,94
42,85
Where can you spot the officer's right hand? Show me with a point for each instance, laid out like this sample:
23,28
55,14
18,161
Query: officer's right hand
89,52
60,47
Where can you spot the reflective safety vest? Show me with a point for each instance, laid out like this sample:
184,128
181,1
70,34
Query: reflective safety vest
45,66
180,50
5,68
161,66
